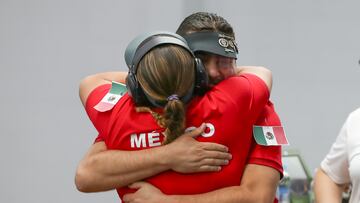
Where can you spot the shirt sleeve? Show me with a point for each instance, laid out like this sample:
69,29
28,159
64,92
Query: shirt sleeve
100,120
267,155
336,162
353,135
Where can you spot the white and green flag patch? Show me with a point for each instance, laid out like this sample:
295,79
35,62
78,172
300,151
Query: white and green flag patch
112,97
270,135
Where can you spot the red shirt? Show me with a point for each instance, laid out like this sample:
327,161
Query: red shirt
267,155
230,109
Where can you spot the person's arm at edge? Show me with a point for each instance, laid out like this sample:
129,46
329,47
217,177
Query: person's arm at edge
262,72
326,190
89,83
251,190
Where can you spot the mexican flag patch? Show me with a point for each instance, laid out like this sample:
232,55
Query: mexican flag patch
112,97
270,135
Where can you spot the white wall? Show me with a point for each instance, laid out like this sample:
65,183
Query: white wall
46,47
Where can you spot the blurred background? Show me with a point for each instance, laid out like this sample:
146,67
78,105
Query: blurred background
48,46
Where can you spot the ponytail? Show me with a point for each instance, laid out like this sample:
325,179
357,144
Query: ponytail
173,119
166,74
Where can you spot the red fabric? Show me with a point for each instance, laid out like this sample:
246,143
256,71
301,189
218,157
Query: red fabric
279,135
99,119
232,107
267,155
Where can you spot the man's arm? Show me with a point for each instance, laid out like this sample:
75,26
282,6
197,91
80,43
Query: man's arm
259,71
326,190
89,83
258,185
103,169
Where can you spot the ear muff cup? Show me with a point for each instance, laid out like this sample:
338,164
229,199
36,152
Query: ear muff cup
135,91
142,45
201,78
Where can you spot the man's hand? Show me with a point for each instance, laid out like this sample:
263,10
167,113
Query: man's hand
186,155
146,193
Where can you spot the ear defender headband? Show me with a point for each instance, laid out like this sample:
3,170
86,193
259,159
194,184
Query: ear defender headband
212,42
140,46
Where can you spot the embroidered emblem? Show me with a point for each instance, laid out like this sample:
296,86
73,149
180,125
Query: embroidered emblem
269,136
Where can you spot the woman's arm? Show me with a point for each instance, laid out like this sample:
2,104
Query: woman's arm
262,72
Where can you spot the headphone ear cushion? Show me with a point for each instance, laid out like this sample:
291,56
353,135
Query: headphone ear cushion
130,84
201,78
135,90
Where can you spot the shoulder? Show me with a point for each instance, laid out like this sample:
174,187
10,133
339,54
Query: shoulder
355,115
247,82
353,133
241,87
352,122
88,84
96,94
247,79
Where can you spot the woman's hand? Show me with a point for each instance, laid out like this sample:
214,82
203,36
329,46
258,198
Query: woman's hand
146,193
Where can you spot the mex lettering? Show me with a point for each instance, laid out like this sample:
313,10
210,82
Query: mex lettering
152,139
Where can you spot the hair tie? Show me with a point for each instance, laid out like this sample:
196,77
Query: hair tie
173,97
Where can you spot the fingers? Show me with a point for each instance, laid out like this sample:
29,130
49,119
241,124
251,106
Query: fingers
207,168
215,162
196,131
217,155
127,197
137,185
212,165
215,147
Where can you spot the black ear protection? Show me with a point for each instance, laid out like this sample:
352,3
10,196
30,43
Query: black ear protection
141,45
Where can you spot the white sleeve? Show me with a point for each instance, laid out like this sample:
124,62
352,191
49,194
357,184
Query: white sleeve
336,164
353,134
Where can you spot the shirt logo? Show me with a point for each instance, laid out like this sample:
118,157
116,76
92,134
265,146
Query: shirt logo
269,136
152,139
223,42
228,43
111,98
140,141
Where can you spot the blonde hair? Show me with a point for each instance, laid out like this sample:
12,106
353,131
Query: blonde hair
164,71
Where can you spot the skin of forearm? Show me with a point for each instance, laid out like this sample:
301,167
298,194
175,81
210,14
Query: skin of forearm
258,185
113,168
113,76
238,195
326,190
260,71
248,69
